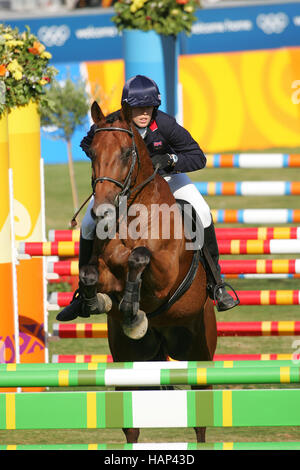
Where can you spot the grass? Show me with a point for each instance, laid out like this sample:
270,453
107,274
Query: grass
59,211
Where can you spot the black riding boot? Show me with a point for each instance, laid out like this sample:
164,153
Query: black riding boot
84,302
215,285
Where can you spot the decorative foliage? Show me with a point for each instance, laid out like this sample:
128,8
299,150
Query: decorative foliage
24,69
71,106
168,17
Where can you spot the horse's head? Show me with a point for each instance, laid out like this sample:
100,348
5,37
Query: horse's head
113,154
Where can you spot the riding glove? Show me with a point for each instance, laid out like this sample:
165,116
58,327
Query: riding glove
163,161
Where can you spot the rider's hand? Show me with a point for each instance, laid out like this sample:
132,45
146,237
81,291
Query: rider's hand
163,161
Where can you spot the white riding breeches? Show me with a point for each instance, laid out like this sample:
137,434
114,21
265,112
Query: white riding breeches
181,187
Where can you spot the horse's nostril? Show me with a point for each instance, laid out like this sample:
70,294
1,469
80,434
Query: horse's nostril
103,211
107,211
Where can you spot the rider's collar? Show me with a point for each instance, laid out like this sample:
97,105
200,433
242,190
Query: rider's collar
142,131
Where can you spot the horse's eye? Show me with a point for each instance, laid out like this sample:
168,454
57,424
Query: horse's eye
126,154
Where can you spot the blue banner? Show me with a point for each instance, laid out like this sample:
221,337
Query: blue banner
244,28
75,38
90,37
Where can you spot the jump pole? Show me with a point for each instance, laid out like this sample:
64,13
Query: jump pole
253,160
164,408
222,233
228,358
226,247
227,328
150,377
149,365
247,297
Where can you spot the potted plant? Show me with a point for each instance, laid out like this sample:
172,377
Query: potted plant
24,73
150,29
167,17
24,69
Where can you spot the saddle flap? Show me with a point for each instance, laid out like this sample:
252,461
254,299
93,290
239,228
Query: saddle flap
193,227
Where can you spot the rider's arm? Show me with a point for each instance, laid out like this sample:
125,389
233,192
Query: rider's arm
190,156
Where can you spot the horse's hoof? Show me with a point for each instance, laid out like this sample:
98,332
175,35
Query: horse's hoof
138,328
104,303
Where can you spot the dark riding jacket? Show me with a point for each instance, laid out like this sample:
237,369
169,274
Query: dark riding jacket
165,135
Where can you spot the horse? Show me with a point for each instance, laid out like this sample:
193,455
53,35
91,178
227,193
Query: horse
153,288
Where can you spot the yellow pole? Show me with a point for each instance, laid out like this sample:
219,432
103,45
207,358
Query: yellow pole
25,155
9,330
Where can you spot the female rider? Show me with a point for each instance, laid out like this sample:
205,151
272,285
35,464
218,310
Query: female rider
173,149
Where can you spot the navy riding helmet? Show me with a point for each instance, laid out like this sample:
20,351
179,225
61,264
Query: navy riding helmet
141,91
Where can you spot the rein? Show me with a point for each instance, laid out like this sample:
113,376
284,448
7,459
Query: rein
126,185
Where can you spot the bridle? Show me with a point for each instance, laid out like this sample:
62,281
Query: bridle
126,187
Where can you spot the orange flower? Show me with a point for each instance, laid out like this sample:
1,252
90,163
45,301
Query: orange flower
37,48
181,2
3,70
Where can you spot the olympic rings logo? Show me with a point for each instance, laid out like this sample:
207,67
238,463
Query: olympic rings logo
272,22
54,35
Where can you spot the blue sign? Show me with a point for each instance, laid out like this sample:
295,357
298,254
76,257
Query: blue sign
80,37
76,38
244,28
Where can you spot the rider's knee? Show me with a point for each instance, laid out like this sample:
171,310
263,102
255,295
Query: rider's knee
88,228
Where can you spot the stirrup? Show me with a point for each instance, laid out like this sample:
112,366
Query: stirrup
221,285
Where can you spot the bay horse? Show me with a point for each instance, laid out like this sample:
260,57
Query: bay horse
138,276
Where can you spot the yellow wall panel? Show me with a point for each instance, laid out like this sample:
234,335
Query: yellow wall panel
106,80
241,100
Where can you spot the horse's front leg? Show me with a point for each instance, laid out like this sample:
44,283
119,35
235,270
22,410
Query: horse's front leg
89,277
135,322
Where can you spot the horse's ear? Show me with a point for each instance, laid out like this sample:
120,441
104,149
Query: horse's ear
96,113
126,113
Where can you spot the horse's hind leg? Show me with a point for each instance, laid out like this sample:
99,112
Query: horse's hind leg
134,320
131,434
206,345
200,430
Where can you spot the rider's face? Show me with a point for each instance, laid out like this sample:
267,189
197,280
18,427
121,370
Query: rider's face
142,116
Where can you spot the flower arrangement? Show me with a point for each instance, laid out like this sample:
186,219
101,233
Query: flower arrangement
168,17
24,69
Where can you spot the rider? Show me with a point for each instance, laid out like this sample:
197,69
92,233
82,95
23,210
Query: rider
172,148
